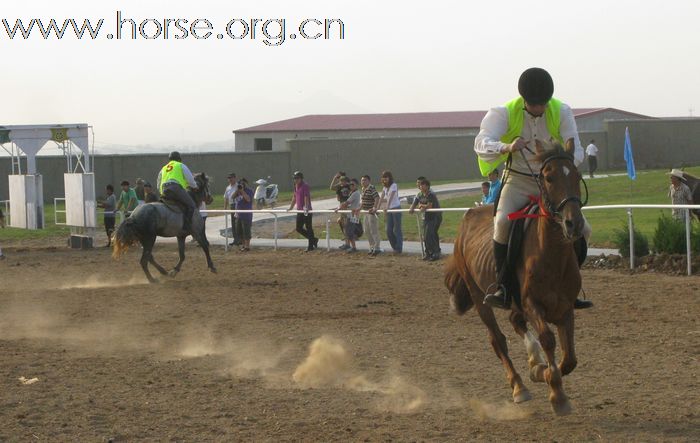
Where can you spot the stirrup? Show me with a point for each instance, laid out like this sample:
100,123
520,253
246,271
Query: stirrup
498,299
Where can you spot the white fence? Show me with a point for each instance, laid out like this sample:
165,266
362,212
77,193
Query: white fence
277,212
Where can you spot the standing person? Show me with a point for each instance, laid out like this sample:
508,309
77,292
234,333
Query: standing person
679,193
140,191
512,131
110,206
425,200
173,179
127,199
352,222
390,195
302,200
243,199
341,185
592,153
228,203
149,193
494,187
370,203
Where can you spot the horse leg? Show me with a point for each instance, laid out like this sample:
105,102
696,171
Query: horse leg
201,237
146,256
535,355
181,251
552,374
565,331
498,342
152,261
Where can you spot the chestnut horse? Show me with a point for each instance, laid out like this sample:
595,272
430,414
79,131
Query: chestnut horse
547,271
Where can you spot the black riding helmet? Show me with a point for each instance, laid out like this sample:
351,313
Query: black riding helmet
175,156
536,86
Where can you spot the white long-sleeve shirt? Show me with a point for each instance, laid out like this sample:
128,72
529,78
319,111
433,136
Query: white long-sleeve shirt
488,143
186,172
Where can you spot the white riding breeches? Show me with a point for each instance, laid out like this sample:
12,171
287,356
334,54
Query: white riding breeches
515,195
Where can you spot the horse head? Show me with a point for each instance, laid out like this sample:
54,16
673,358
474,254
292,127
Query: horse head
560,183
202,193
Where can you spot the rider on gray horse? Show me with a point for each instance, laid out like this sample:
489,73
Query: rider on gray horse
173,180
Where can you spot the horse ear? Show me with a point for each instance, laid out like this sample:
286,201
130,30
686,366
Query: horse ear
569,146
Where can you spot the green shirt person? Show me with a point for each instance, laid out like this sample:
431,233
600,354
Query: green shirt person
127,198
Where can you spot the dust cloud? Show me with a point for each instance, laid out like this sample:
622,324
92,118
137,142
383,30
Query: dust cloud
241,357
504,412
329,365
98,282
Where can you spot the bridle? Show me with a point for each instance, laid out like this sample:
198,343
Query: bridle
555,211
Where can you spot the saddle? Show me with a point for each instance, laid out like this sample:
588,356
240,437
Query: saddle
522,220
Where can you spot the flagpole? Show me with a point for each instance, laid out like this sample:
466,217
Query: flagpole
632,174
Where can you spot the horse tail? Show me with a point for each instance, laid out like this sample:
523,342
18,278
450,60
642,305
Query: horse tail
124,237
460,300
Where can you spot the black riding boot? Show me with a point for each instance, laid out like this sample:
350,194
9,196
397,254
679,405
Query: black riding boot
581,249
499,298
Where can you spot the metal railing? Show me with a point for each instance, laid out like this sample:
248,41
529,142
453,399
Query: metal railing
276,213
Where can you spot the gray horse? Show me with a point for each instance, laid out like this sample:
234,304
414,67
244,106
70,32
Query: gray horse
164,219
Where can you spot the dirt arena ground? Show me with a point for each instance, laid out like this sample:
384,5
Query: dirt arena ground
318,347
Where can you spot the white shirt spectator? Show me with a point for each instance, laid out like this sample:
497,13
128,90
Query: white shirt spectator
591,150
392,191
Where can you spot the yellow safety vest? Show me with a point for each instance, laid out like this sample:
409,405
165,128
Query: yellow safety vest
172,172
516,119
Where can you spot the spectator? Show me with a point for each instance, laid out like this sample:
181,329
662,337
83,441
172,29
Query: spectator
370,203
302,200
390,200
485,188
341,185
494,187
680,194
592,153
228,204
127,199
140,191
109,205
150,195
353,228
243,200
425,200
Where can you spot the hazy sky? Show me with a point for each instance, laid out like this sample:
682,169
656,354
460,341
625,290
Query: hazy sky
396,57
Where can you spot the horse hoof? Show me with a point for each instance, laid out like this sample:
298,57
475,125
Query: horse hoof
172,273
212,270
562,408
522,396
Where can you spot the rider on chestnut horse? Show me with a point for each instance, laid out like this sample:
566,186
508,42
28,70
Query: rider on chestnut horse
510,133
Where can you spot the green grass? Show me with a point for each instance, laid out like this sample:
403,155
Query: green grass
650,187
51,229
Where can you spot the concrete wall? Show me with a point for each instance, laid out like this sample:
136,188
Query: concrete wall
113,169
438,158
245,141
667,143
